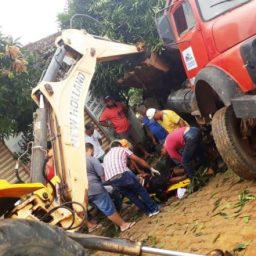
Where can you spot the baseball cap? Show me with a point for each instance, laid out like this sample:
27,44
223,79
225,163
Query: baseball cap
89,126
124,143
150,113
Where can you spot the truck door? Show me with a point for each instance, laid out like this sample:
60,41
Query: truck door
188,37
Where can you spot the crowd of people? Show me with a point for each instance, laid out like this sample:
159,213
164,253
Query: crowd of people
120,171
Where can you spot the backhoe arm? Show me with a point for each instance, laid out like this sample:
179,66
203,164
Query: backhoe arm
64,101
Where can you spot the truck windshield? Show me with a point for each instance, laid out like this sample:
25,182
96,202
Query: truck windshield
212,8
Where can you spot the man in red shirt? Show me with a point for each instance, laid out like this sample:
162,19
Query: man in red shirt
49,170
115,116
184,145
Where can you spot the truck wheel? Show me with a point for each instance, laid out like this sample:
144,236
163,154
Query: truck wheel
235,151
27,238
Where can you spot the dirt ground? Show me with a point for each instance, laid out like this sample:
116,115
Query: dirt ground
220,215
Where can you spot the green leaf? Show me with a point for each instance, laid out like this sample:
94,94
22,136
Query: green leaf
224,215
246,219
216,204
216,238
241,246
226,206
213,194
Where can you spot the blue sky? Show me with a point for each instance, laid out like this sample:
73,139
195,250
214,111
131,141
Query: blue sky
30,20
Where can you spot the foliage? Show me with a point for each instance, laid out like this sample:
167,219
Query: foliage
198,180
244,197
17,77
135,96
129,21
240,247
25,144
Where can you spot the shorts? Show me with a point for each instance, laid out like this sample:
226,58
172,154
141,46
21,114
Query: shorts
104,203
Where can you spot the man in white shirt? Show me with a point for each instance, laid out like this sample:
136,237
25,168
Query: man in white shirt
118,175
93,136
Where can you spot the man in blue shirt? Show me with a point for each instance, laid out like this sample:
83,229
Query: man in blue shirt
97,194
154,127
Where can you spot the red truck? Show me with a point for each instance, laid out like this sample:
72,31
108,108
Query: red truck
216,40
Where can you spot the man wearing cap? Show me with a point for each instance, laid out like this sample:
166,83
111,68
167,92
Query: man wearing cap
93,136
168,119
154,127
115,116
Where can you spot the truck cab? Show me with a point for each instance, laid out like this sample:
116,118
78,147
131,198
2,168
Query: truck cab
214,34
216,40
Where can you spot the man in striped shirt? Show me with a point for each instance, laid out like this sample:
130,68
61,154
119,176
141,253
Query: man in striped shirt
118,175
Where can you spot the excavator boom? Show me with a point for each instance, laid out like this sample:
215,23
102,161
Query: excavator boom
64,102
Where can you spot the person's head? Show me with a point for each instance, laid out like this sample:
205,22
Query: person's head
109,101
89,149
115,144
50,153
49,150
142,110
89,128
158,115
125,143
153,113
150,113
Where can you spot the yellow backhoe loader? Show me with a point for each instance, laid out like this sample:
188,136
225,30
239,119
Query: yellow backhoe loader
41,218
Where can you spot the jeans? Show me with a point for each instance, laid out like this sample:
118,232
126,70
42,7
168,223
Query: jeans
192,150
130,187
117,199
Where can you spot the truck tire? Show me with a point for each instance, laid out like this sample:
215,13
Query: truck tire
233,149
27,238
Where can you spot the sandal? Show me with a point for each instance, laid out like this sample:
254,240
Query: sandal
131,224
94,228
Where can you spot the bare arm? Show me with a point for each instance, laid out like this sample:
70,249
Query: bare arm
182,123
139,161
136,167
106,124
150,135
